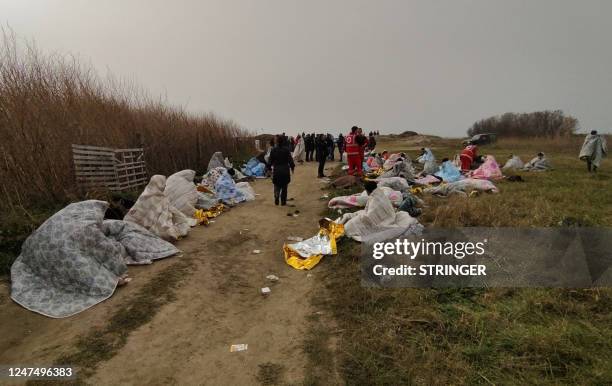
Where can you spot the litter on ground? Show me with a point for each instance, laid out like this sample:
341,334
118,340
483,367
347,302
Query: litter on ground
239,347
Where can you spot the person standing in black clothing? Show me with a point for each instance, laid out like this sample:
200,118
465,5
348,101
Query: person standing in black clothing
309,144
282,165
330,147
371,142
340,145
321,147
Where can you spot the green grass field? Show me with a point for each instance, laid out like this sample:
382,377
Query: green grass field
481,336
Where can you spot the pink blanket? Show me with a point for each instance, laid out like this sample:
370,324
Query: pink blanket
489,170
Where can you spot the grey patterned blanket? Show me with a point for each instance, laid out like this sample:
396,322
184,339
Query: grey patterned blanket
74,259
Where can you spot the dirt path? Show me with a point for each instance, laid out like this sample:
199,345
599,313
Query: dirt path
217,304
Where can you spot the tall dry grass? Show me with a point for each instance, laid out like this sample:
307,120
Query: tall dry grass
50,101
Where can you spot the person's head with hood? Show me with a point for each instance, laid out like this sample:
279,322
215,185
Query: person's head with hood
156,185
215,161
370,186
385,155
279,140
593,132
540,155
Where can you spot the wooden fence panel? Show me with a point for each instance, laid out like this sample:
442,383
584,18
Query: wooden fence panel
106,168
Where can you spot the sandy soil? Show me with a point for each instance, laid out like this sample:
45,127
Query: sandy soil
217,305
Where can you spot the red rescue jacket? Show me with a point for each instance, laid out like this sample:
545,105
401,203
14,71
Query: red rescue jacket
351,148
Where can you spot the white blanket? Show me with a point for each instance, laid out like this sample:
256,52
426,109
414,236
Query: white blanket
182,192
154,212
514,162
299,153
378,218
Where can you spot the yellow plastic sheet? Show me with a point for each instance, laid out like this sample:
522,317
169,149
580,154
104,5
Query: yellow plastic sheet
200,216
304,255
215,211
203,216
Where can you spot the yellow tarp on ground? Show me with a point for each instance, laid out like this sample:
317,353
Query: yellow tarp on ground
304,255
203,215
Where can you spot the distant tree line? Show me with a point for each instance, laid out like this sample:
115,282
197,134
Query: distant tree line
535,124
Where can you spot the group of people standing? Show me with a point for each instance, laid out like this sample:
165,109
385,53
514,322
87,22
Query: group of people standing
285,151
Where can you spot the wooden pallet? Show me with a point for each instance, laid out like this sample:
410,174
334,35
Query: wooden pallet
106,168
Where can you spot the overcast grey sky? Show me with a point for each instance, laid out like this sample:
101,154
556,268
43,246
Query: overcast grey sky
434,66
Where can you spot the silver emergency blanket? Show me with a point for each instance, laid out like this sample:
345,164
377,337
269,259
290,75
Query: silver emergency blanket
594,149
319,244
75,259
538,164
306,254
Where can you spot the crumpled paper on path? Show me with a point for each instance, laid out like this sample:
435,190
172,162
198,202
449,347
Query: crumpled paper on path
304,255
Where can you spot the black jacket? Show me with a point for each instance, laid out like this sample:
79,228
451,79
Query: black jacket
321,148
281,162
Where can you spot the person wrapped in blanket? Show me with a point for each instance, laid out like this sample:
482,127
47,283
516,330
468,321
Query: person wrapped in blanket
218,161
226,190
593,150
538,164
281,162
378,220
428,160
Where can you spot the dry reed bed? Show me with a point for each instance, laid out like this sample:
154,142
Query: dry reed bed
48,102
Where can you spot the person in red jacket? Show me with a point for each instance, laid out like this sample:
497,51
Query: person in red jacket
467,156
352,150
362,141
